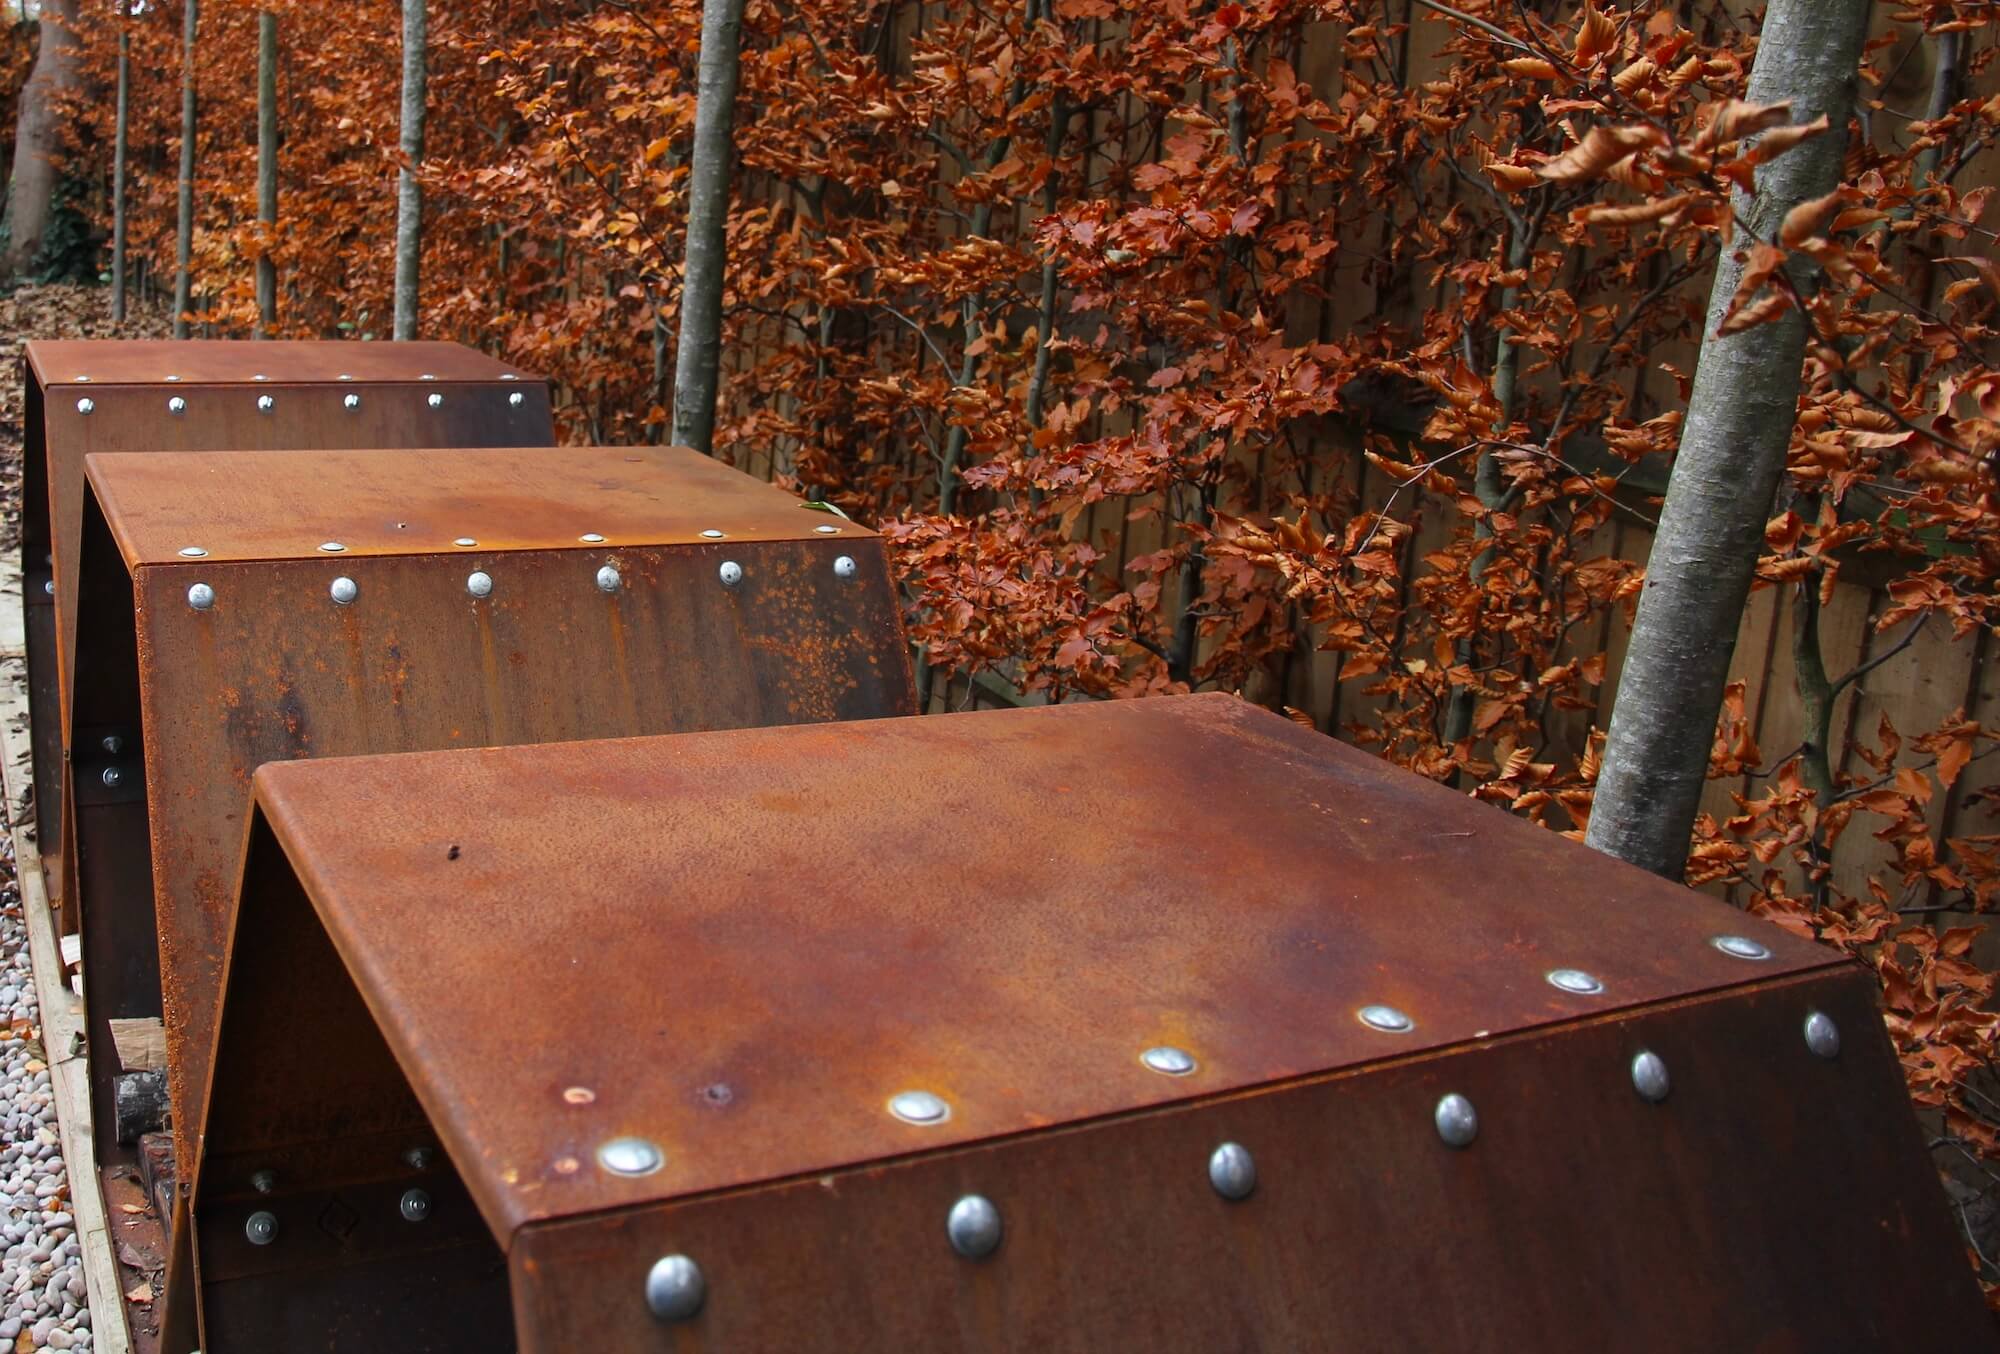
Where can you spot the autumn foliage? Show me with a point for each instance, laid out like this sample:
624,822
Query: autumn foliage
1370,320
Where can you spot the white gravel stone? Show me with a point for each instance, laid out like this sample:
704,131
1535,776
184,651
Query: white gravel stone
42,1289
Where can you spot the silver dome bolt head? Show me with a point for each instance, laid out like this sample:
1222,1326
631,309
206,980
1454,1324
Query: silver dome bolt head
844,567
350,402
630,1156
465,542
675,1288
265,404
113,776
261,1228
1740,947
1822,1035
607,578
1232,1171
591,538
919,1107
418,1158
332,547
177,405
1387,1019
344,591
112,744
1168,1060
49,586
827,529
517,399
1457,1121
201,597
436,400
1575,981
712,534
1649,1076
479,583
264,1181
193,552
731,573
415,1205
973,1227
86,406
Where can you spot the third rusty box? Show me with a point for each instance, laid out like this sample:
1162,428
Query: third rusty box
1161,1025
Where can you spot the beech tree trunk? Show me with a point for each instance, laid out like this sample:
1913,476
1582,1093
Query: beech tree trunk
184,234
410,193
118,160
698,354
1732,456
267,167
38,134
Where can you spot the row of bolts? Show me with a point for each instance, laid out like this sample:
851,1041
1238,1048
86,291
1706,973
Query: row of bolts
676,1287
177,404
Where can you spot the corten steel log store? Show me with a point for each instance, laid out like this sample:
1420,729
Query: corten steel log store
1193,1031
143,396
242,607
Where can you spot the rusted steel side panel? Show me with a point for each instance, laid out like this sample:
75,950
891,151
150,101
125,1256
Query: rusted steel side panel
101,362
275,670
302,416
1582,1217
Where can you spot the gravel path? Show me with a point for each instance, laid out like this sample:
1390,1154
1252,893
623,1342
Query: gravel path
41,1280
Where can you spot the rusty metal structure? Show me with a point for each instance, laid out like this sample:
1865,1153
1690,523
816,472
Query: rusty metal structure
84,397
1160,1025
244,607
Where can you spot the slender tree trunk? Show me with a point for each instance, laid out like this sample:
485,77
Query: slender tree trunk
184,233
38,134
1732,455
119,143
698,354
267,169
410,193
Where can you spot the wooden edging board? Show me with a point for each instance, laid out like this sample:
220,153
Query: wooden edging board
62,1019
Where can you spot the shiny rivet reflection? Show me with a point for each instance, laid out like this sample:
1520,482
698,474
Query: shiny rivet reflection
1822,1035
479,584
465,542
630,1156
731,573
827,530
844,567
1740,947
332,547
86,406
517,399
1387,1019
712,534
193,552
919,1107
1457,1121
415,1205
973,1227
265,404
1576,981
177,405
344,591
1649,1076
591,538
350,402
201,597
607,579
1232,1171
1168,1060
113,776
675,1288
261,1228
436,401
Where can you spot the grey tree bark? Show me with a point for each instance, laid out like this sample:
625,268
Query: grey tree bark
184,232
267,166
410,193
1732,455
118,160
38,134
698,353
